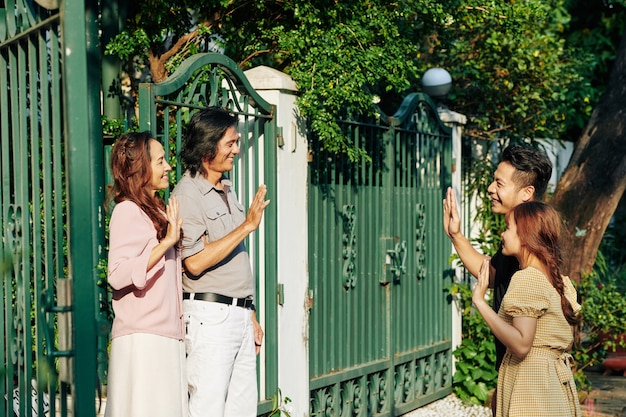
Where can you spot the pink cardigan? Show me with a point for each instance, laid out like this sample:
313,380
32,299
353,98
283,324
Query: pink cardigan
143,301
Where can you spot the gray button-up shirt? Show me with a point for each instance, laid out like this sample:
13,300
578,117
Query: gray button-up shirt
205,213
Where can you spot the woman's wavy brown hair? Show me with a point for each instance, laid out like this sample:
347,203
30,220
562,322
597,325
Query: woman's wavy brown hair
132,175
539,228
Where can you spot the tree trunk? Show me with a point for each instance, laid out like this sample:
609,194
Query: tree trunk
157,62
593,183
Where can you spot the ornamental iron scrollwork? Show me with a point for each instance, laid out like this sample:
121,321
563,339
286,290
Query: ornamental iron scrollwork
348,215
210,86
351,397
378,392
21,15
444,371
424,118
364,395
420,373
413,380
404,390
420,242
421,377
208,79
428,375
14,240
322,403
14,230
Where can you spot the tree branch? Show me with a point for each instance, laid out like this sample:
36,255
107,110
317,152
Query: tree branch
157,63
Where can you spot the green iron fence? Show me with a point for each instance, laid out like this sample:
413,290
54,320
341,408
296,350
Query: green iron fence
380,320
165,109
51,193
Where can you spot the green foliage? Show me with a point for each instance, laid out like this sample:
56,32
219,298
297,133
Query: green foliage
342,55
612,255
475,357
278,405
113,127
128,45
595,27
520,69
105,306
515,76
603,306
479,175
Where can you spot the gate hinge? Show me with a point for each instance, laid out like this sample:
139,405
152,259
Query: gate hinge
280,294
280,139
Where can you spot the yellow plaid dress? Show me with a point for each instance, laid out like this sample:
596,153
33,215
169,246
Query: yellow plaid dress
541,384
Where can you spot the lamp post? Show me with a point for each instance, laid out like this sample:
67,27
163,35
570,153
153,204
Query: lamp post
436,82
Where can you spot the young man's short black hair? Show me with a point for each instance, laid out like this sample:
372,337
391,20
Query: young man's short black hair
533,167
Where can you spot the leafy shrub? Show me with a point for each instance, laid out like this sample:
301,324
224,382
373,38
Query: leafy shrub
475,372
603,307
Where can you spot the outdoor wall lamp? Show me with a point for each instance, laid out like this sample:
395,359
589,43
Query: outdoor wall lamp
436,82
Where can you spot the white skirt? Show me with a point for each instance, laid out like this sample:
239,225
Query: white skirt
146,377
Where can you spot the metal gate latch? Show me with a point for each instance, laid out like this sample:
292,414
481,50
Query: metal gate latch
397,259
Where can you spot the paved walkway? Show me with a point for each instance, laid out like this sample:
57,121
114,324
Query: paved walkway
607,397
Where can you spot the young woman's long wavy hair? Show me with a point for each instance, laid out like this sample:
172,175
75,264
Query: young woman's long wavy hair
539,229
132,175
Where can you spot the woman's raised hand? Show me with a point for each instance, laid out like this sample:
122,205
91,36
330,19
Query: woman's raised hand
174,222
478,293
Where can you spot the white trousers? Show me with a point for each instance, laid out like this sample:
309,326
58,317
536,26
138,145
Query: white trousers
221,360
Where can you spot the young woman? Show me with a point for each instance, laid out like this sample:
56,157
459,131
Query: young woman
146,365
534,320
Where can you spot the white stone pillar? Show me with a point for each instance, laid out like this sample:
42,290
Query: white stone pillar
456,122
279,89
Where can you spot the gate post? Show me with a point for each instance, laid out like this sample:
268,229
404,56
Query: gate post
293,372
456,121
85,191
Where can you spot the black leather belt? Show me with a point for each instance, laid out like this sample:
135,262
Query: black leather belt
217,298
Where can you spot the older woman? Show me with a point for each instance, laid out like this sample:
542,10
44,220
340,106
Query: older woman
146,365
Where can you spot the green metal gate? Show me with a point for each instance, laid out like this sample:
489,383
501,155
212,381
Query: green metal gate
51,194
380,320
165,108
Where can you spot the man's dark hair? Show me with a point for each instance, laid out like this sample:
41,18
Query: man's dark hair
206,128
533,167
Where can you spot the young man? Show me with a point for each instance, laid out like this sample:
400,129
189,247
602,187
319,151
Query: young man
522,175
223,335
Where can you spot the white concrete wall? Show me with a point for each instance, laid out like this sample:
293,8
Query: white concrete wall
559,153
293,370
